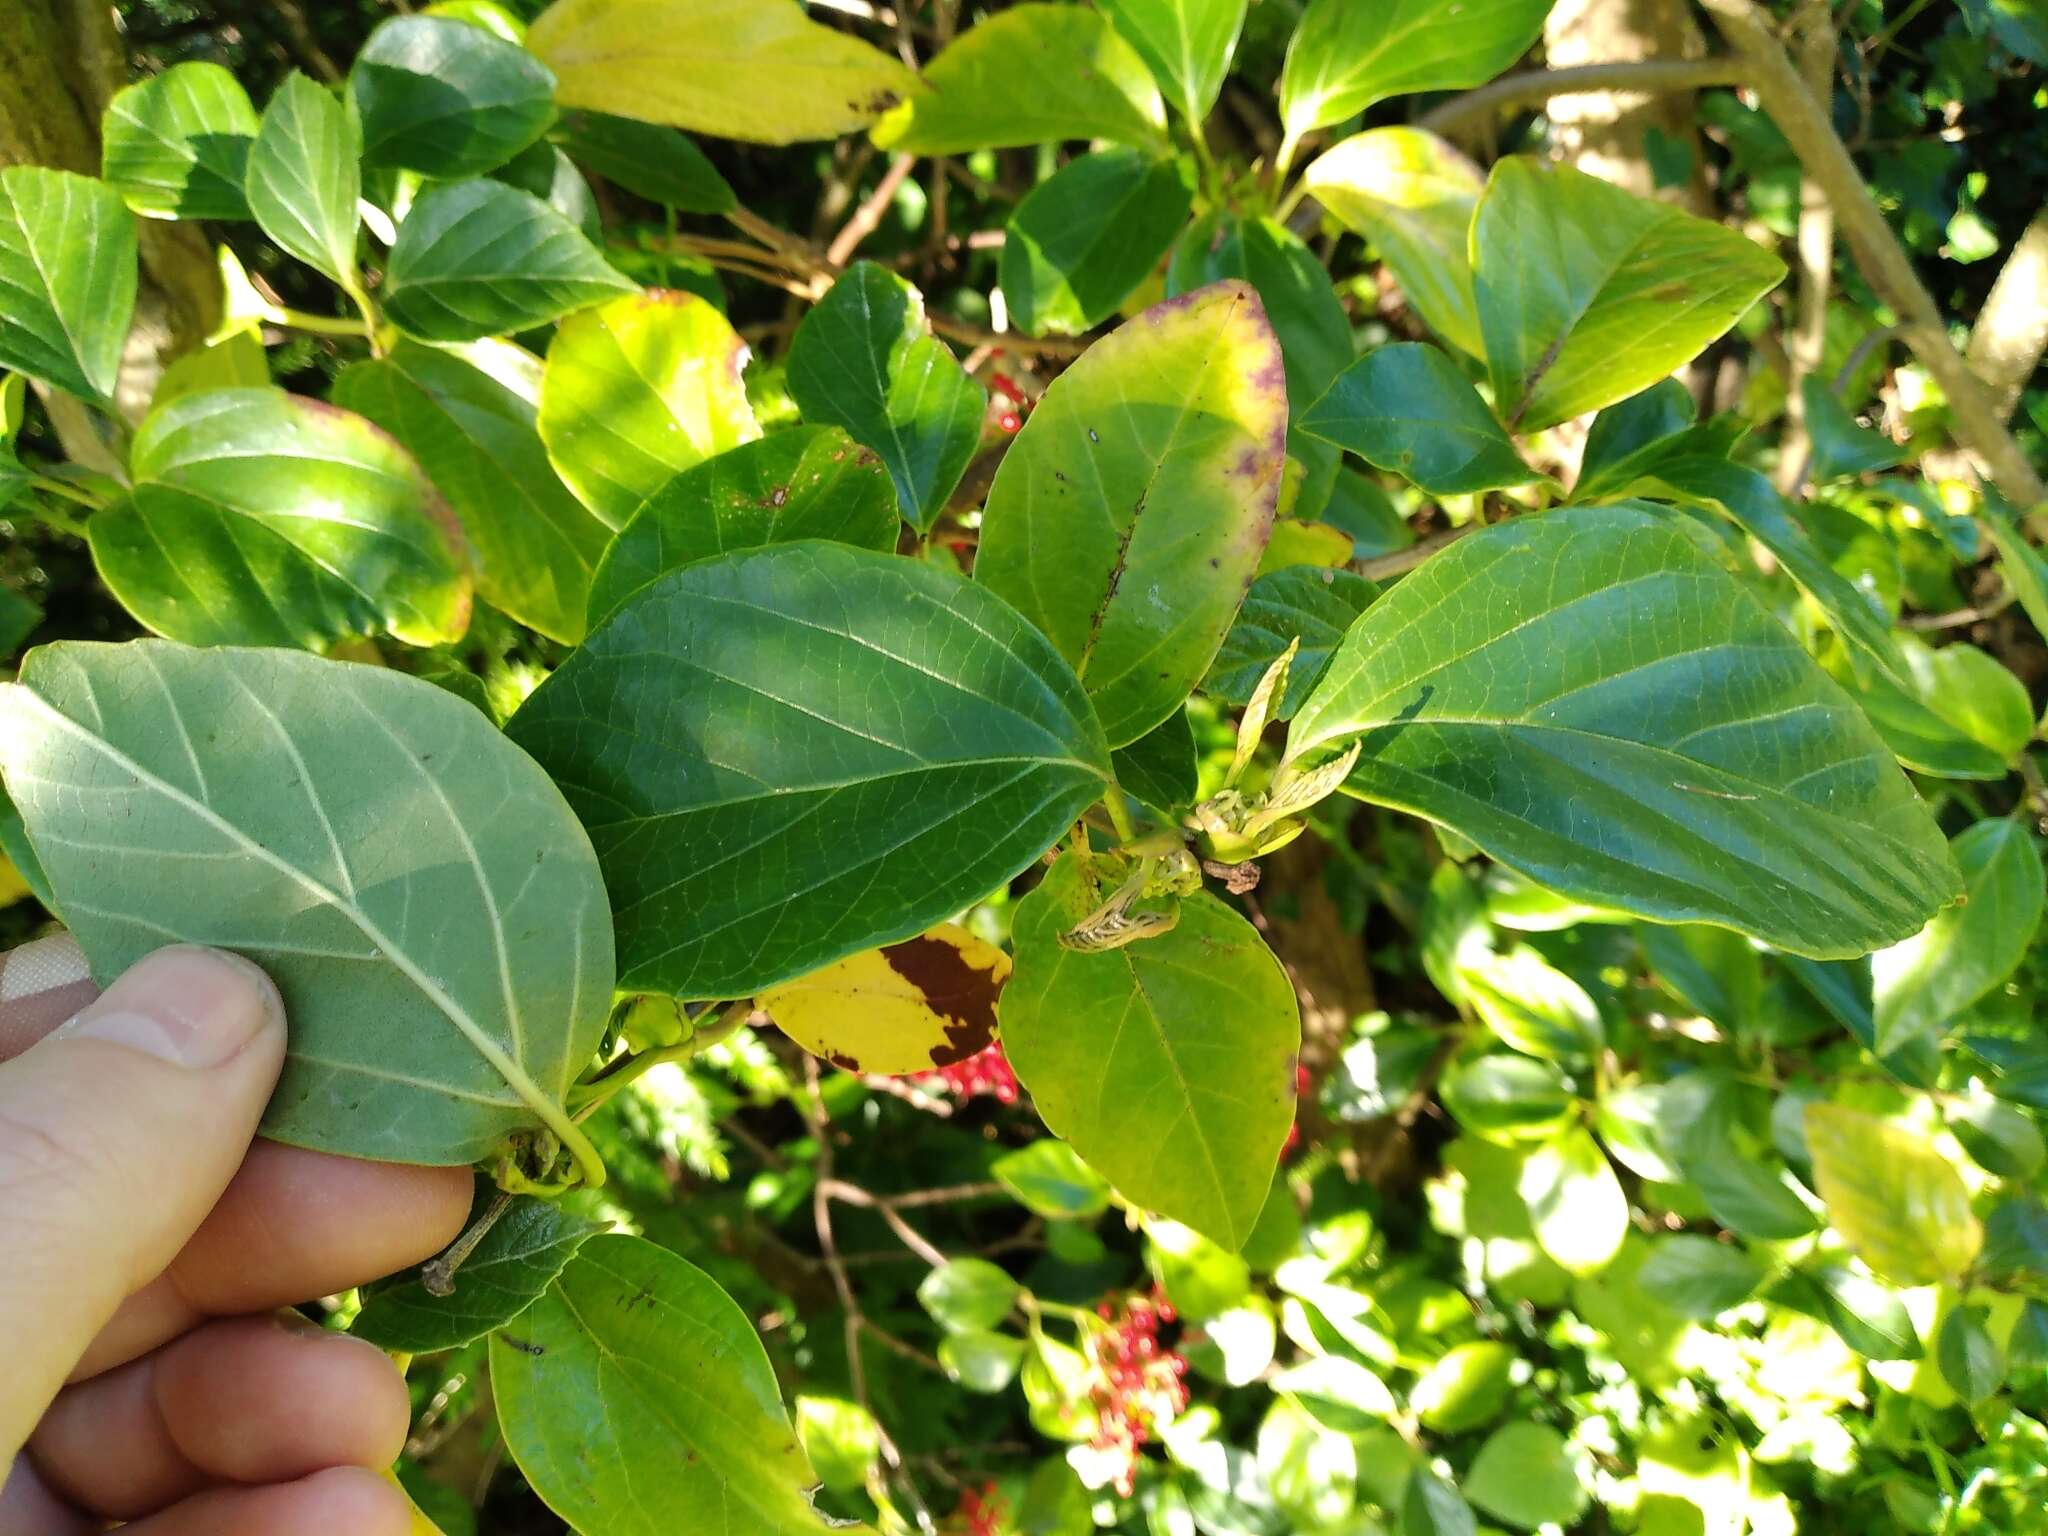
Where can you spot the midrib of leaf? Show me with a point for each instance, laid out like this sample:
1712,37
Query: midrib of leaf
515,1076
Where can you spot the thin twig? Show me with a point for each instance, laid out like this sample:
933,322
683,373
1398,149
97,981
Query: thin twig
868,216
1531,86
1403,560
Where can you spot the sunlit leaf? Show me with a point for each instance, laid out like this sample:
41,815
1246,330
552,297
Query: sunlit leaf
1892,1196
176,145
447,99
68,275
924,1002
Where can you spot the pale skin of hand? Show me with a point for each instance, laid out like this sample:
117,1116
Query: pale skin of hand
149,1239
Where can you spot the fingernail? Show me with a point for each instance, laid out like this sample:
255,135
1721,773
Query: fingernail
194,1008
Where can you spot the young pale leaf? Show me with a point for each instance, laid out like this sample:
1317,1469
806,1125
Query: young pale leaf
1128,517
416,887
236,361
67,269
1168,1063
1049,1178
474,434
504,1274
305,177
1346,56
1187,43
1588,293
1087,236
1612,715
475,258
647,159
1575,1202
841,1438
639,389
863,360
1892,1196
1314,606
1407,409
1923,983
260,517
628,1323
926,1002
1467,1387
1033,74
792,754
758,70
804,483
1411,195
176,145
447,99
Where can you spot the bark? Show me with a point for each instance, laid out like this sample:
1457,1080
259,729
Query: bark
1604,134
60,63
2011,332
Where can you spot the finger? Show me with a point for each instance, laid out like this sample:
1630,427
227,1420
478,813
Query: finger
292,1225
117,1134
344,1502
28,1508
41,985
249,1400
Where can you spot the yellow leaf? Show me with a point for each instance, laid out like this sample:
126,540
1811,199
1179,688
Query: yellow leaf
927,1002
1892,1196
758,70
1296,542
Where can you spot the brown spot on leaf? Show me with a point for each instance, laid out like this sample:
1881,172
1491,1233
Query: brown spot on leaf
952,989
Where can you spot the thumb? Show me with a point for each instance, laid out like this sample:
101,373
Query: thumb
118,1133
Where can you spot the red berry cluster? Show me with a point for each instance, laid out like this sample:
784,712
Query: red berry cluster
1304,1084
986,1073
1010,417
1139,1386
981,1511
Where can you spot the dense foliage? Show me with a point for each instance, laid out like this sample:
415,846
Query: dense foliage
1121,772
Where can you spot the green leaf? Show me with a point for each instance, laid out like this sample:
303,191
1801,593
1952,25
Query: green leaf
1338,1393
759,811
1597,658
1699,1278
1750,501
67,279
1302,602
1975,694
446,99
1168,1063
758,70
1622,432
1048,1178
1866,1312
981,1362
638,390
1525,1476
841,1438
807,483
519,1257
1188,45
474,434
417,889
1532,1006
863,360
1087,236
475,258
305,177
1588,293
1346,56
1467,1388
1575,1202
1970,1359
1892,1196
1711,970
236,361
1841,449
1033,74
647,160
1200,1279
176,145
260,517
1926,981
1407,409
1412,196
1432,1507
629,1328
2022,565
1151,466
1999,1137
1700,1128
968,1295
1507,1098
1160,767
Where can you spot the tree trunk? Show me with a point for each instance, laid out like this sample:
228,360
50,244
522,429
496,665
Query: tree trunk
60,63
1604,134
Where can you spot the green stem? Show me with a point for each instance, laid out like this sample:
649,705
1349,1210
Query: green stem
321,325
593,1095
1120,816
1290,145
65,490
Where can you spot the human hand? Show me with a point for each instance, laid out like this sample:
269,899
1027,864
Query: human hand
146,1240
